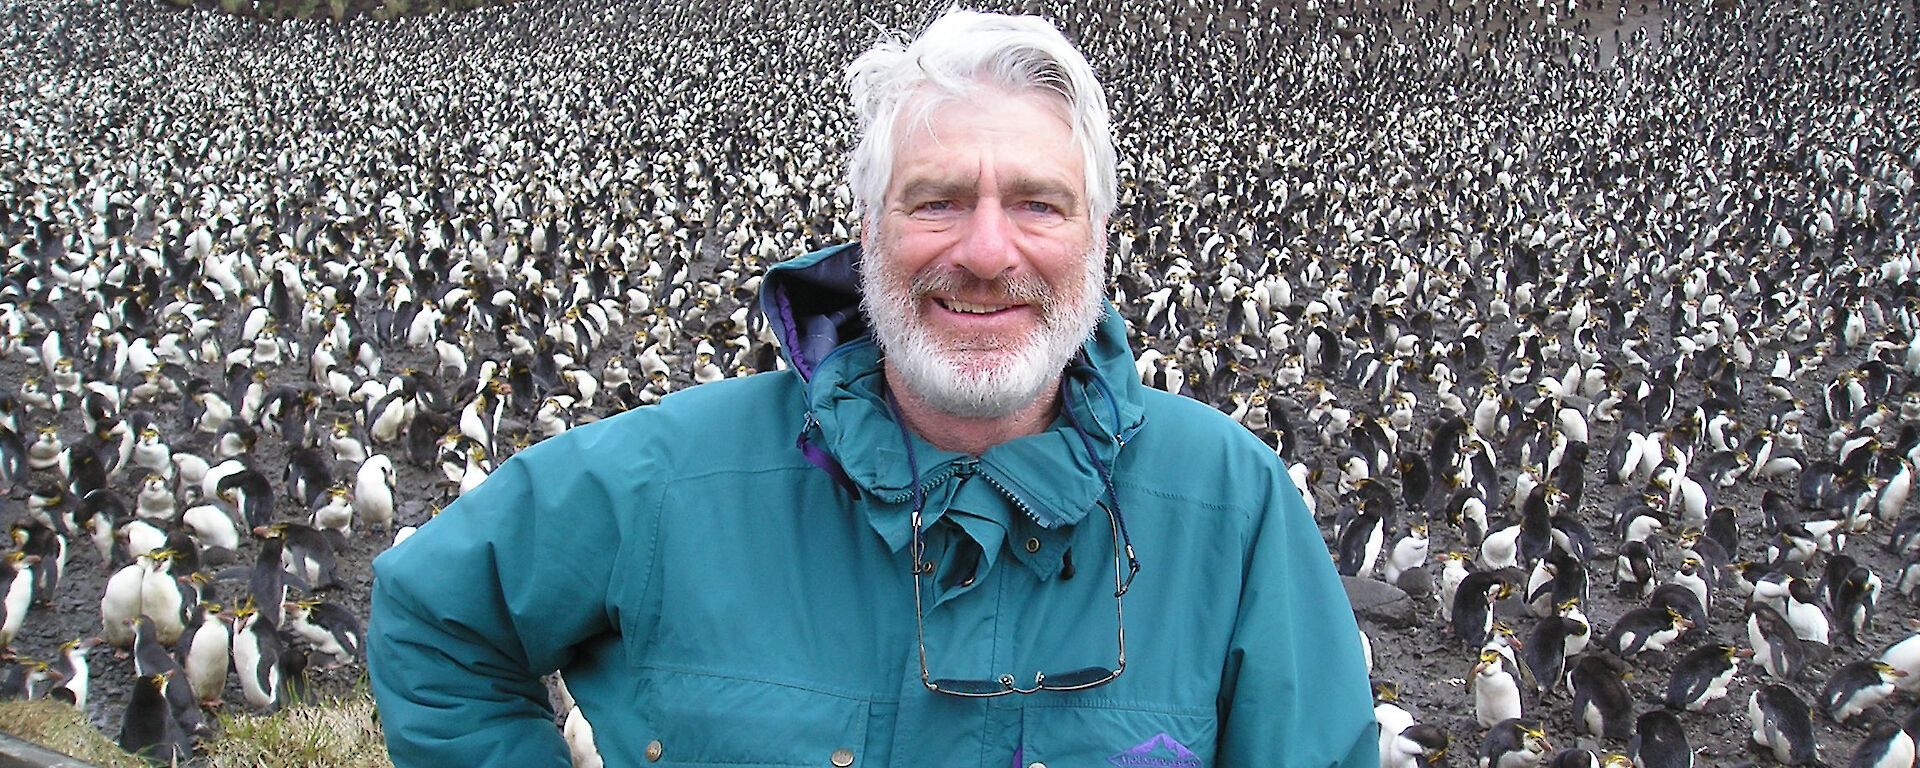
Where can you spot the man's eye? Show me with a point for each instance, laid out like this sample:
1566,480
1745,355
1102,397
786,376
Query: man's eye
1037,206
937,206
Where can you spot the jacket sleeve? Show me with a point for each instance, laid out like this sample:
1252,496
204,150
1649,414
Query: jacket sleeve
473,609
1295,691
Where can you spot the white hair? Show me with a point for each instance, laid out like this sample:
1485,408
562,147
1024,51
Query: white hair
961,54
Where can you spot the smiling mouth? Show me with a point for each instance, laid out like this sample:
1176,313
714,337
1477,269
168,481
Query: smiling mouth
966,308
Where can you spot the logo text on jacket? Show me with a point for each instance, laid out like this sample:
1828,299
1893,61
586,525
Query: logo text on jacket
1161,751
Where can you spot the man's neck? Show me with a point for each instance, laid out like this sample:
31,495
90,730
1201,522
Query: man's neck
971,436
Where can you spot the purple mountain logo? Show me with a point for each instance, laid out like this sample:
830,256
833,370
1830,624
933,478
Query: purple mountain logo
1158,752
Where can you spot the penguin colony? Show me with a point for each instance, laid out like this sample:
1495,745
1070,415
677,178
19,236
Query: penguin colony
1586,327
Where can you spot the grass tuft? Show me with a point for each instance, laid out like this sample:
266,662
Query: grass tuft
63,729
333,733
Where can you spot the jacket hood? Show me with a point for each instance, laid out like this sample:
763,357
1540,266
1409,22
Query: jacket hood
1056,477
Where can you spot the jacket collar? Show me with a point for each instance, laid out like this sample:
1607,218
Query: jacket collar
1049,481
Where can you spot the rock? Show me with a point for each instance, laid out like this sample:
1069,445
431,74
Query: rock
1379,601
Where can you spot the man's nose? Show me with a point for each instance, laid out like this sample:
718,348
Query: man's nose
987,249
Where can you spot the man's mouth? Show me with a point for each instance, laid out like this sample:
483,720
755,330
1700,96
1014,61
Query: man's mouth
967,308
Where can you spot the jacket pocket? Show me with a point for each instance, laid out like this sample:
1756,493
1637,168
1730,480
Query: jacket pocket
691,719
1114,736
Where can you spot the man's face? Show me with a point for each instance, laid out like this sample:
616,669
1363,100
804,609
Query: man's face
984,275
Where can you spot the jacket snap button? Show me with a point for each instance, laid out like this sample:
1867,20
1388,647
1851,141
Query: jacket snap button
1033,545
842,758
653,751
1038,765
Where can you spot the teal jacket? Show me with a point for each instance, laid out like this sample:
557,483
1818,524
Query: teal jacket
723,579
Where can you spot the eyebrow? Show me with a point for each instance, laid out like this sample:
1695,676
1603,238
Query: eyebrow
1020,185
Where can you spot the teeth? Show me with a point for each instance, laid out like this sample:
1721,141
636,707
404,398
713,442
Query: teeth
973,309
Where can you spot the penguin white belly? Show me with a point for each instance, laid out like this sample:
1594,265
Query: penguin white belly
1716,689
19,595
119,605
1496,697
207,659
1905,656
1808,621
212,527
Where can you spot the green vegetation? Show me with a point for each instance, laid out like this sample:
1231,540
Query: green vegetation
331,733
61,728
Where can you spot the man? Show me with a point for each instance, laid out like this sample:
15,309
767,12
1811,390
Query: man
956,532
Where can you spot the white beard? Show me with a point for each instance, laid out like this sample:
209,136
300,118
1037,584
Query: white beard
992,380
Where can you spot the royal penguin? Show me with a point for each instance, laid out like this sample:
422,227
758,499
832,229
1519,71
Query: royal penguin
16,594
217,537
1586,758
335,511
1856,687
1473,601
1775,646
1701,676
1853,602
1453,573
1360,543
1545,651
23,678
1887,745
1405,743
151,658
1514,743
40,541
1602,705
1633,570
148,727
373,490
329,628
1645,629
1904,655
1408,553
256,659
309,555
1804,614
205,654
1781,723
73,677
1660,741
1495,689
120,605
165,598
